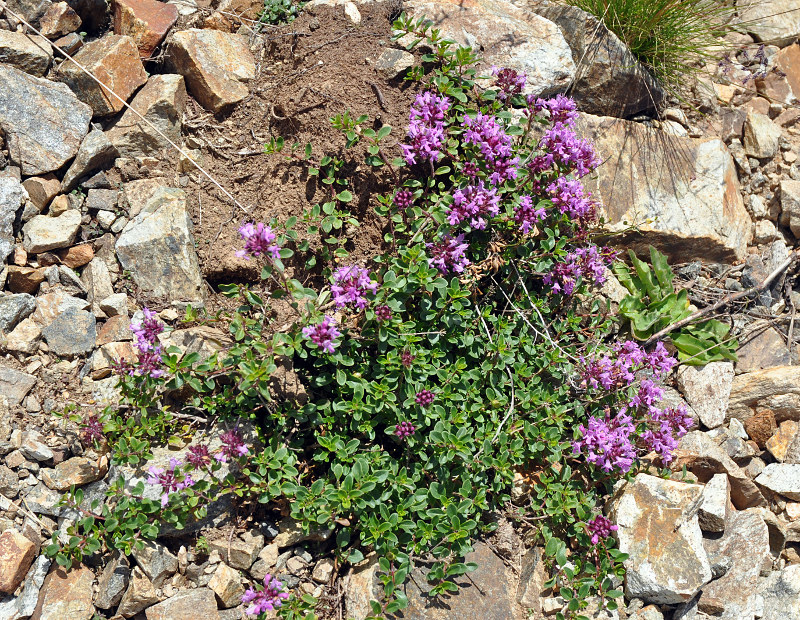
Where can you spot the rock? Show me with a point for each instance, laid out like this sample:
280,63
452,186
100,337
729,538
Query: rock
97,280
776,22
227,585
162,101
242,552
25,338
323,571
690,206
12,197
394,63
72,334
781,592
34,448
139,595
761,347
76,471
116,329
32,10
659,531
34,146
44,501
113,581
716,500
507,36
49,306
147,22
157,247
60,19
109,354
41,190
15,385
16,557
781,478
24,279
707,390
157,562
704,458
486,593
27,53
186,605
291,533
9,482
775,389
265,562
761,136
746,544
115,60
61,204
533,575
778,445
43,233
96,151
115,305
66,595
26,602
216,66
77,256
70,43
609,81
790,205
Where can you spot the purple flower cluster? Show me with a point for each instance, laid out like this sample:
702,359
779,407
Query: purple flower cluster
494,144
424,398
323,334
406,359
600,528
474,203
569,196
588,263
269,598
404,429
403,199
619,371
564,147
258,239
509,81
91,429
526,216
448,254
233,446
426,129
607,442
667,426
169,480
198,457
383,313
145,334
351,284
561,110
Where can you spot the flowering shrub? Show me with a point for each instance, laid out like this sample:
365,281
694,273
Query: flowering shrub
466,352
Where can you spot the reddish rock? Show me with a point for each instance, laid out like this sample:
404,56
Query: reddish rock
70,43
114,60
59,20
24,279
77,255
76,471
20,256
761,427
66,595
16,556
115,329
147,22
41,190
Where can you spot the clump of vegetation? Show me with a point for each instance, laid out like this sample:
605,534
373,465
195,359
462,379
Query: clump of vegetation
277,12
457,358
672,38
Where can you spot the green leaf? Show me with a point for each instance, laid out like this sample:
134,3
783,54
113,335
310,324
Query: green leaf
344,196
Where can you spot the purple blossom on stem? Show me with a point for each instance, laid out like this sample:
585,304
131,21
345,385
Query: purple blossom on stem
351,284
269,598
474,203
145,333
509,81
600,528
403,199
404,429
569,197
323,334
259,239
587,263
426,128
92,429
448,254
168,480
383,313
526,216
607,442
424,398
406,359
494,144
233,446
562,110
573,153
198,456
668,425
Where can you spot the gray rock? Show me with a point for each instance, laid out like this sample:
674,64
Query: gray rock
162,101
26,602
291,533
31,10
44,501
14,309
775,389
97,281
243,551
198,603
113,581
776,22
73,333
761,136
716,500
157,562
157,247
508,36
43,233
683,194
15,385
34,448
102,199
707,390
609,81
761,346
9,482
790,205
393,63
781,593
226,583
659,530
96,151
35,146
31,54
781,478
12,197
139,595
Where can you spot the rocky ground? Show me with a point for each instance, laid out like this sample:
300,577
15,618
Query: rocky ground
100,216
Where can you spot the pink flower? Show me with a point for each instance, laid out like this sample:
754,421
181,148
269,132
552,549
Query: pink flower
259,239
